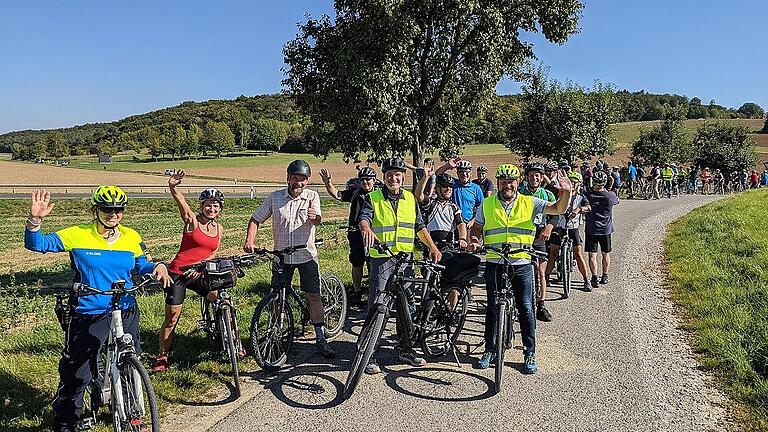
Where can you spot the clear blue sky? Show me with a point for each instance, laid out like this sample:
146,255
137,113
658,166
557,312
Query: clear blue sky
64,63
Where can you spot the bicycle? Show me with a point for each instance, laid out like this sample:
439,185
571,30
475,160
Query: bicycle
506,311
396,294
272,325
565,261
117,364
218,318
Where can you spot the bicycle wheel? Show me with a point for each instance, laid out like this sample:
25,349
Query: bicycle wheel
134,405
366,344
443,323
272,332
501,332
565,263
230,345
334,298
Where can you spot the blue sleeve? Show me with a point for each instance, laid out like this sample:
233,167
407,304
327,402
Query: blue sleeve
366,210
143,266
39,242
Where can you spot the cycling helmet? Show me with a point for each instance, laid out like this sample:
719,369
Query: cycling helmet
564,164
599,178
464,165
299,167
508,172
109,197
585,164
212,194
444,180
575,176
482,168
366,173
599,165
552,166
534,167
394,163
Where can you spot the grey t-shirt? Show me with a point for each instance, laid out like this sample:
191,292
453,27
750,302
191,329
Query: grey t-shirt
538,210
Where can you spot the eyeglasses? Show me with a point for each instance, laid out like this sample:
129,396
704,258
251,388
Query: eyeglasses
118,210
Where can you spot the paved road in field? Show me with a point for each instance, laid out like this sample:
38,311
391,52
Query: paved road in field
612,360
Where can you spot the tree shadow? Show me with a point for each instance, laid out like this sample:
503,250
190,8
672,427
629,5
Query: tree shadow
23,403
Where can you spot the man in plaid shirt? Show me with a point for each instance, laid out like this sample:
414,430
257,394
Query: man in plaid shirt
295,212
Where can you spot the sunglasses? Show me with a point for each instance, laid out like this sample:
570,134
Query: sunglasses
118,210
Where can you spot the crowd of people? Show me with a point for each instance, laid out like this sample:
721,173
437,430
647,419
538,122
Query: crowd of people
448,216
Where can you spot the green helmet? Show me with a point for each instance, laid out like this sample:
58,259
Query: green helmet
508,171
109,197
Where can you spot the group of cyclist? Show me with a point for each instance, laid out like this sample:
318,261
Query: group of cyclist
523,208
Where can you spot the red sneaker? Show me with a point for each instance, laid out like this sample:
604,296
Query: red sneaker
161,363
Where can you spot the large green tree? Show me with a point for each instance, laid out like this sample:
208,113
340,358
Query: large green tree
399,76
725,146
563,120
669,142
751,110
218,137
269,134
56,147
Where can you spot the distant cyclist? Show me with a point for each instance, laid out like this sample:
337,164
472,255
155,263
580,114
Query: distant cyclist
101,252
599,227
200,241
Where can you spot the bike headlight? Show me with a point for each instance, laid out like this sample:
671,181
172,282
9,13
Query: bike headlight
127,339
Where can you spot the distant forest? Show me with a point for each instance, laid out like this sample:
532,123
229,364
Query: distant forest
272,122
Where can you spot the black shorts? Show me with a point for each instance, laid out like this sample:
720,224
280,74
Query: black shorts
309,276
573,233
177,291
539,244
357,255
592,241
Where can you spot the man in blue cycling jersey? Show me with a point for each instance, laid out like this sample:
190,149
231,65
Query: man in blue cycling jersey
467,195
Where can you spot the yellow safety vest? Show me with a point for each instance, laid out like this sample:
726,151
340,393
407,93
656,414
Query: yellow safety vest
396,230
516,229
667,173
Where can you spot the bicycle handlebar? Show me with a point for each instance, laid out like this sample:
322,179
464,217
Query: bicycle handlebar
404,258
506,250
82,290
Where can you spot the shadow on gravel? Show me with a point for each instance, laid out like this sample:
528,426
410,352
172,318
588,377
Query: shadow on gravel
309,387
442,385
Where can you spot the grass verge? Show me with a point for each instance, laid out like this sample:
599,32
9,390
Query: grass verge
31,340
718,267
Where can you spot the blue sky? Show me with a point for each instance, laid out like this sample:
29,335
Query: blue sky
72,62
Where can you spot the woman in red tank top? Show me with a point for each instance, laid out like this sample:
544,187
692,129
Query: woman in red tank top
200,241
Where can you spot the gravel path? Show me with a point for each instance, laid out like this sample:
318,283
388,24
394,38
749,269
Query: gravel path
612,360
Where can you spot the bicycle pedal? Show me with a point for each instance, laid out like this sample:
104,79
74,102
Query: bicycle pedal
85,424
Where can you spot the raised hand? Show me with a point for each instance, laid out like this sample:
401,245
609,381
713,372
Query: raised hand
311,213
175,179
325,176
41,204
563,182
452,162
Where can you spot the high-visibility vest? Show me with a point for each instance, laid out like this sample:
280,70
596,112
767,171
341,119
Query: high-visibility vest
395,230
667,173
516,229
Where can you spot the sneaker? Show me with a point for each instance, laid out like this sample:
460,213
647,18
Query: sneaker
324,349
411,359
530,364
543,314
604,279
161,364
372,368
587,286
486,360
594,282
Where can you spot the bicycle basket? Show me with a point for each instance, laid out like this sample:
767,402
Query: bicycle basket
220,274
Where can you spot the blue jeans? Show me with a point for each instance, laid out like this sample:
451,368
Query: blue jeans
521,279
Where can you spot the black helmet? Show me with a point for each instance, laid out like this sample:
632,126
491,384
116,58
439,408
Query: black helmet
564,164
552,166
444,180
299,167
599,178
394,163
366,173
533,167
212,194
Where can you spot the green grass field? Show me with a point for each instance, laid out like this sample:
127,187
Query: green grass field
718,268
31,339
627,133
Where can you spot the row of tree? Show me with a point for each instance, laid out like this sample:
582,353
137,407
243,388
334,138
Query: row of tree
727,147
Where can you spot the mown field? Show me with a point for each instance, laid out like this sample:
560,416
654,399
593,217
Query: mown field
31,339
718,269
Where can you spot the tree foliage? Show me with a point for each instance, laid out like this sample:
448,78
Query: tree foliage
269,134
752,110
669,142
563,120
218,137
401,76
724,146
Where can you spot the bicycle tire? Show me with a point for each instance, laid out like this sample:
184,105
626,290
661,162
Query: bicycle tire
501,331
267,334
228,336
446,323
129,413
366,344
565,258
334,297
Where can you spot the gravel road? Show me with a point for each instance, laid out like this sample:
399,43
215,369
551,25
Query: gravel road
612,360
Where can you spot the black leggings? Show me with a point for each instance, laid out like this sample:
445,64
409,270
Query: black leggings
177,291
